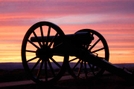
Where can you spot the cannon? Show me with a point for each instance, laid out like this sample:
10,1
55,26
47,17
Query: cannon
47,53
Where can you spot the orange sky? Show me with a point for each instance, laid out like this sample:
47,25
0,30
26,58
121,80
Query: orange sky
112,18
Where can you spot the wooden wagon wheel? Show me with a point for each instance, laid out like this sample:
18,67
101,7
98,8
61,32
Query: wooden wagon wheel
99,47
38,59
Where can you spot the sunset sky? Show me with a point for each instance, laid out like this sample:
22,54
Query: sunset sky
114,19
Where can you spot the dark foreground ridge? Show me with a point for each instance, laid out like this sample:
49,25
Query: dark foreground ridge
12,75
107,81
18,65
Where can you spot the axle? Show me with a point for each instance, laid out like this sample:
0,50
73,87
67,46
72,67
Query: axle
77,38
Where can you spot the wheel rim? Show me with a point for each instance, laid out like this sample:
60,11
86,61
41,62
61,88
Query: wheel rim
38,56
82,69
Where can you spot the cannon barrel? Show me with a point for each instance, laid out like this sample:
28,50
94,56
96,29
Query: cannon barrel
79,37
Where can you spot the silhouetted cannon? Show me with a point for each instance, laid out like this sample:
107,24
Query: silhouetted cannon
47,53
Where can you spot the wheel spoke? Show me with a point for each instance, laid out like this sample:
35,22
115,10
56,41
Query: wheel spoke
48,34
46,72
73,59
42,36
37,38
31,59
81,66
31,51
85,69
87,46
53,39
56,62
76,64
51,68
33,44
40,69
97,50
35,65
57,45
94,44
92,68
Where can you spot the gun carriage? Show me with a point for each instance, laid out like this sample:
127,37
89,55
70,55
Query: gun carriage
47,53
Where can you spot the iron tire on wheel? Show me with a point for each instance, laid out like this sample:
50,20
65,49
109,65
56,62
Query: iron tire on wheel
38,58
98,47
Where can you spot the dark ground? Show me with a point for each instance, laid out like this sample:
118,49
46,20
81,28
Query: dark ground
107,81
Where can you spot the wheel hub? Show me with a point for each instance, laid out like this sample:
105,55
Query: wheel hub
44,53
